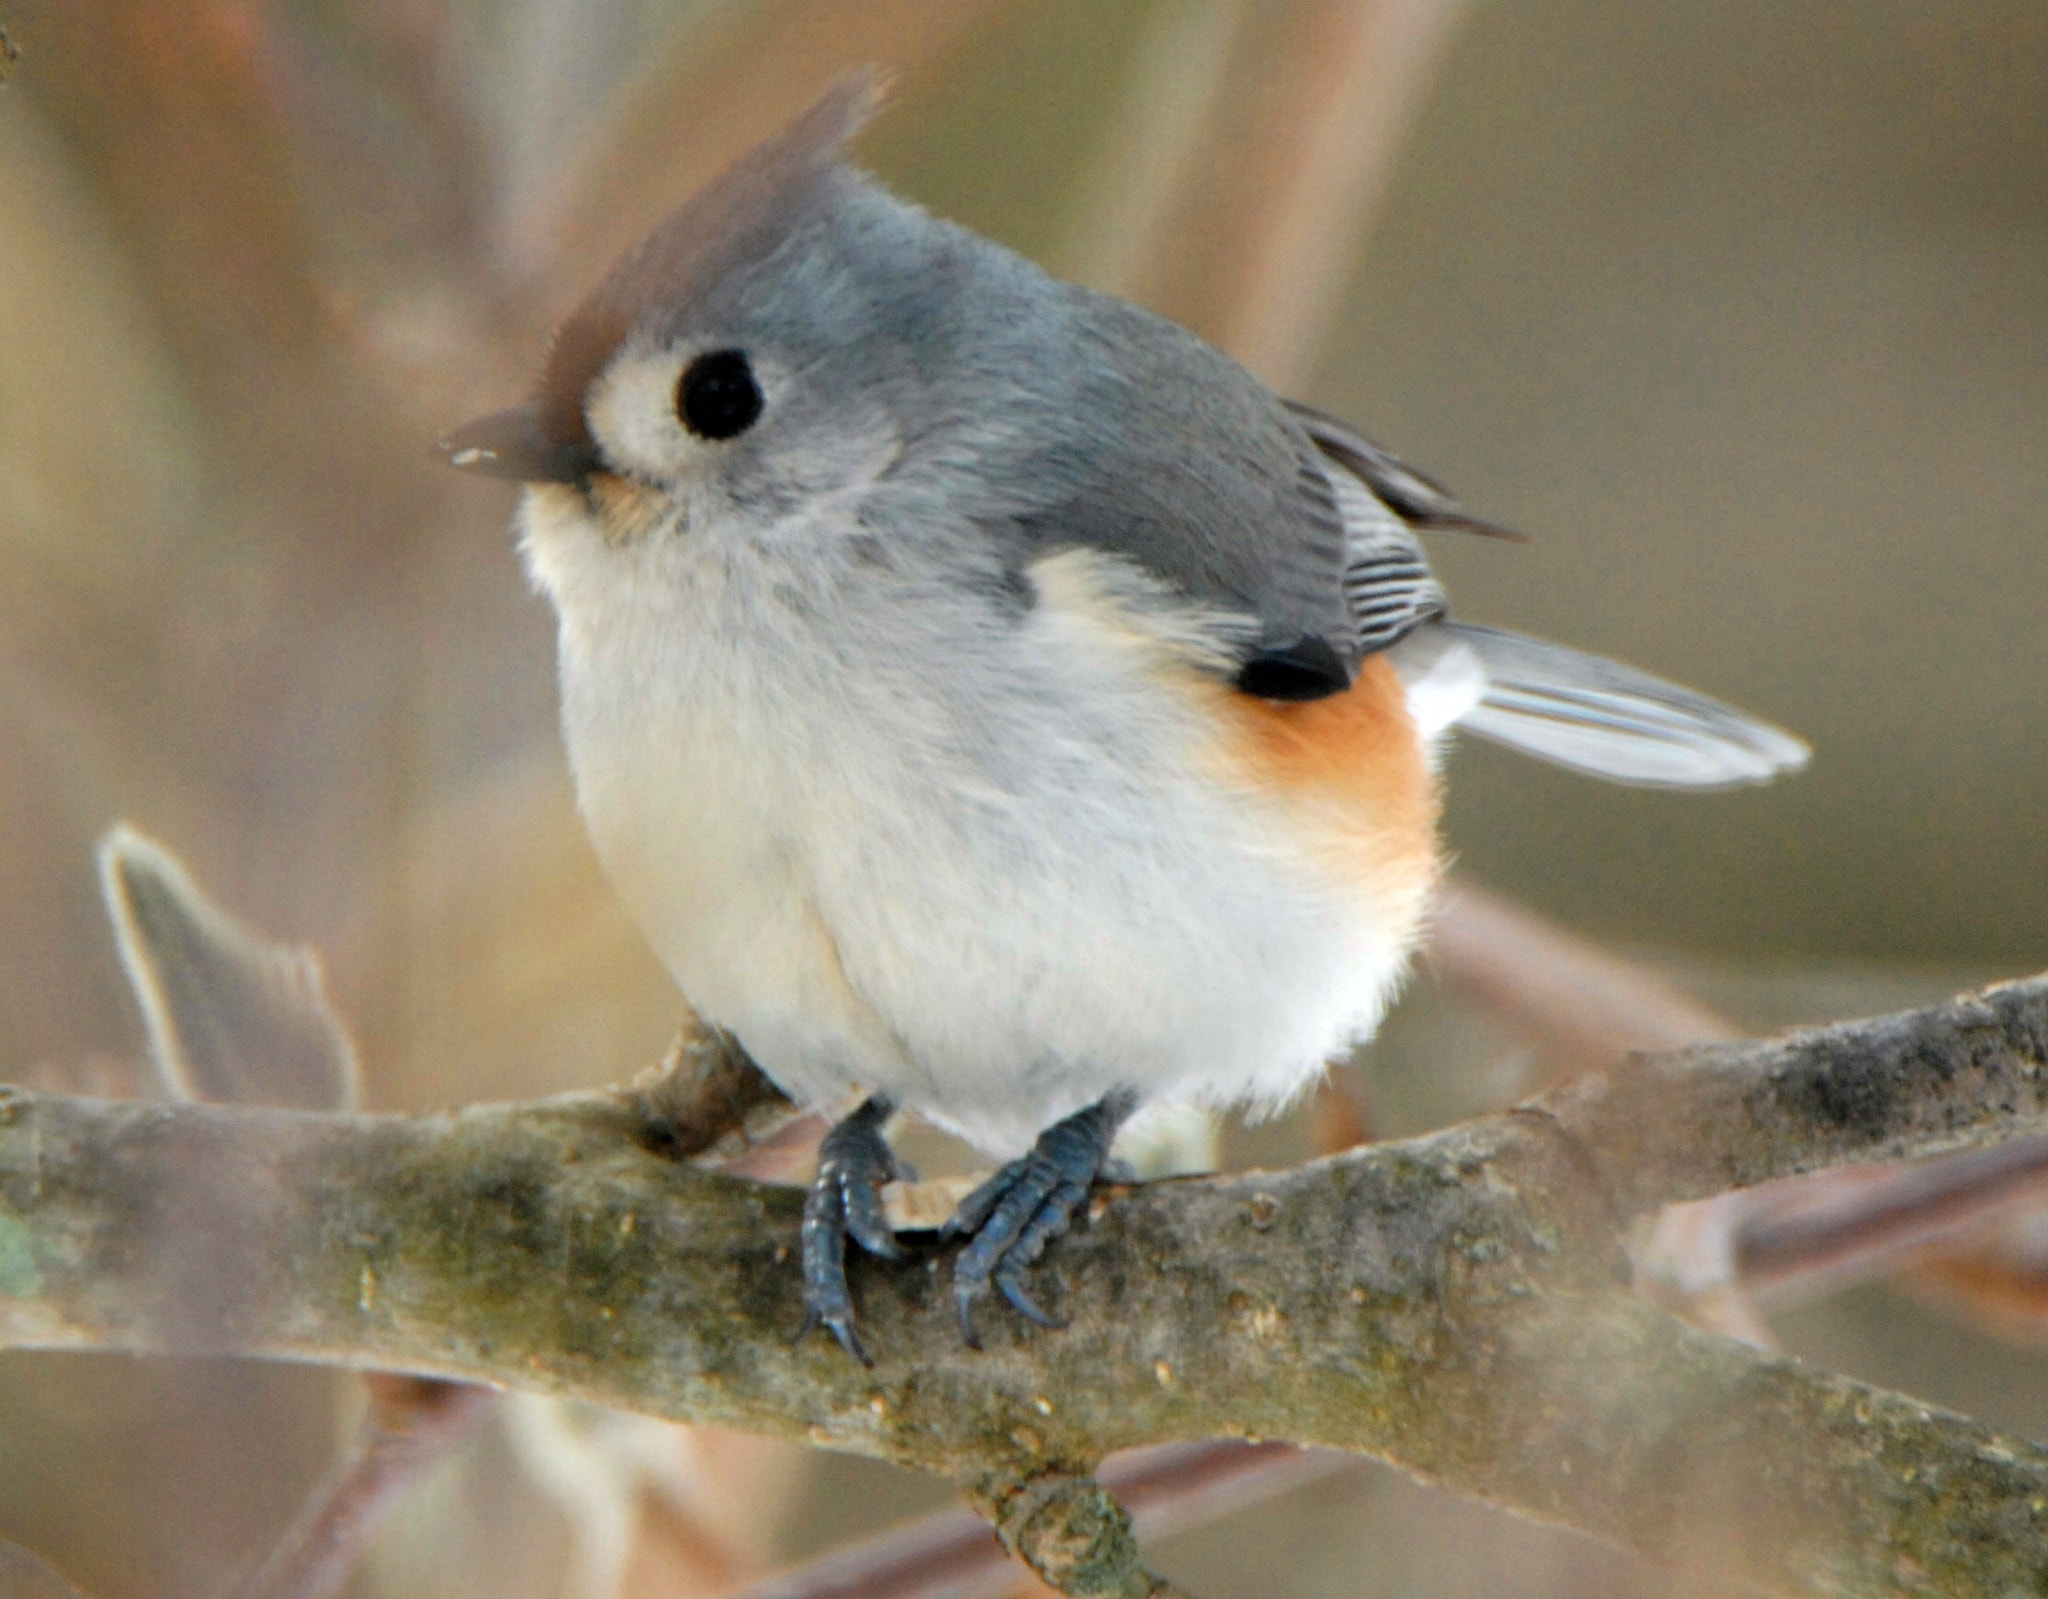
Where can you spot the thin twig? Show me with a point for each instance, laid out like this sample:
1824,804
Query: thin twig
1856,1227
1148,167
707,1101
1579,1005
410,1423
951,1554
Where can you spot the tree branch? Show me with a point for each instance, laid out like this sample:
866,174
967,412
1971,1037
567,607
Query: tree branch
1697,1122
1453,1303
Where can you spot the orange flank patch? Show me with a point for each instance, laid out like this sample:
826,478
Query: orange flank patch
1352,769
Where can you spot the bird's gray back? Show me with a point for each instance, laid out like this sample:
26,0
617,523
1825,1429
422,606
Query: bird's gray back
1099,425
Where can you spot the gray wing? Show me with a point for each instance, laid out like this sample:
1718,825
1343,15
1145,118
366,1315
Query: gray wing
1158,449
1389,589
1171,455
1417,499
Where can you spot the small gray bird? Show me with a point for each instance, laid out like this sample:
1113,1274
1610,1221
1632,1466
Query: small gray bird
990,698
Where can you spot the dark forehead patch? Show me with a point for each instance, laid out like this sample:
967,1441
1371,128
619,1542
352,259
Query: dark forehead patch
740,216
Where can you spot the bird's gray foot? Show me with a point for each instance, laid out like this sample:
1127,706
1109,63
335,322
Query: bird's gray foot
1010,1218
845,1201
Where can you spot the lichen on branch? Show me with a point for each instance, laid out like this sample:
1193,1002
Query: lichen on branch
1455,1303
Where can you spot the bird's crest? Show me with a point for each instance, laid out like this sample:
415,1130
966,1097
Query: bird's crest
739,215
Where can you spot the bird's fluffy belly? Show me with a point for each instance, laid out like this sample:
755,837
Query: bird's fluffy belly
1065,865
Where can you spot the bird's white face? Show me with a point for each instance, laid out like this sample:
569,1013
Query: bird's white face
705,449
713,437
636,419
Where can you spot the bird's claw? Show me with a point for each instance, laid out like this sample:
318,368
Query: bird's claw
1009,1220
845,1202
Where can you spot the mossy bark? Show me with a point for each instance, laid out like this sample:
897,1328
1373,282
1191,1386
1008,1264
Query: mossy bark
1456,1304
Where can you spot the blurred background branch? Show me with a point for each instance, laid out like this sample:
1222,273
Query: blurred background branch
1260,140
23,1576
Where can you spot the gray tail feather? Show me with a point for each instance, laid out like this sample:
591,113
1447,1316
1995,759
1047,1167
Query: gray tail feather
1600,717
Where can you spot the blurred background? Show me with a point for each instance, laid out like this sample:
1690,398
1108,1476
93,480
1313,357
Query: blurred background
1739,309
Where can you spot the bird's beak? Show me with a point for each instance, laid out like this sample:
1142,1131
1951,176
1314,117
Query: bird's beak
510,444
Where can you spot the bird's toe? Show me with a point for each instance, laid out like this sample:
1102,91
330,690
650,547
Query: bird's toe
845,1202
1010,1219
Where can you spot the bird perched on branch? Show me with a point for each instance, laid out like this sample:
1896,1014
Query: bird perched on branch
990,698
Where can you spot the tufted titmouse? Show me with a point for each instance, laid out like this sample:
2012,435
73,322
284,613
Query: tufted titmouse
988,696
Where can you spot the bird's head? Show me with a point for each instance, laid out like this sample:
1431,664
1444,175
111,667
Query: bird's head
745,363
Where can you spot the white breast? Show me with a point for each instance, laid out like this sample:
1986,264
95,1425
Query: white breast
896,838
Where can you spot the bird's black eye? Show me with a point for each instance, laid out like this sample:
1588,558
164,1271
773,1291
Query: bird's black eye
718,397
